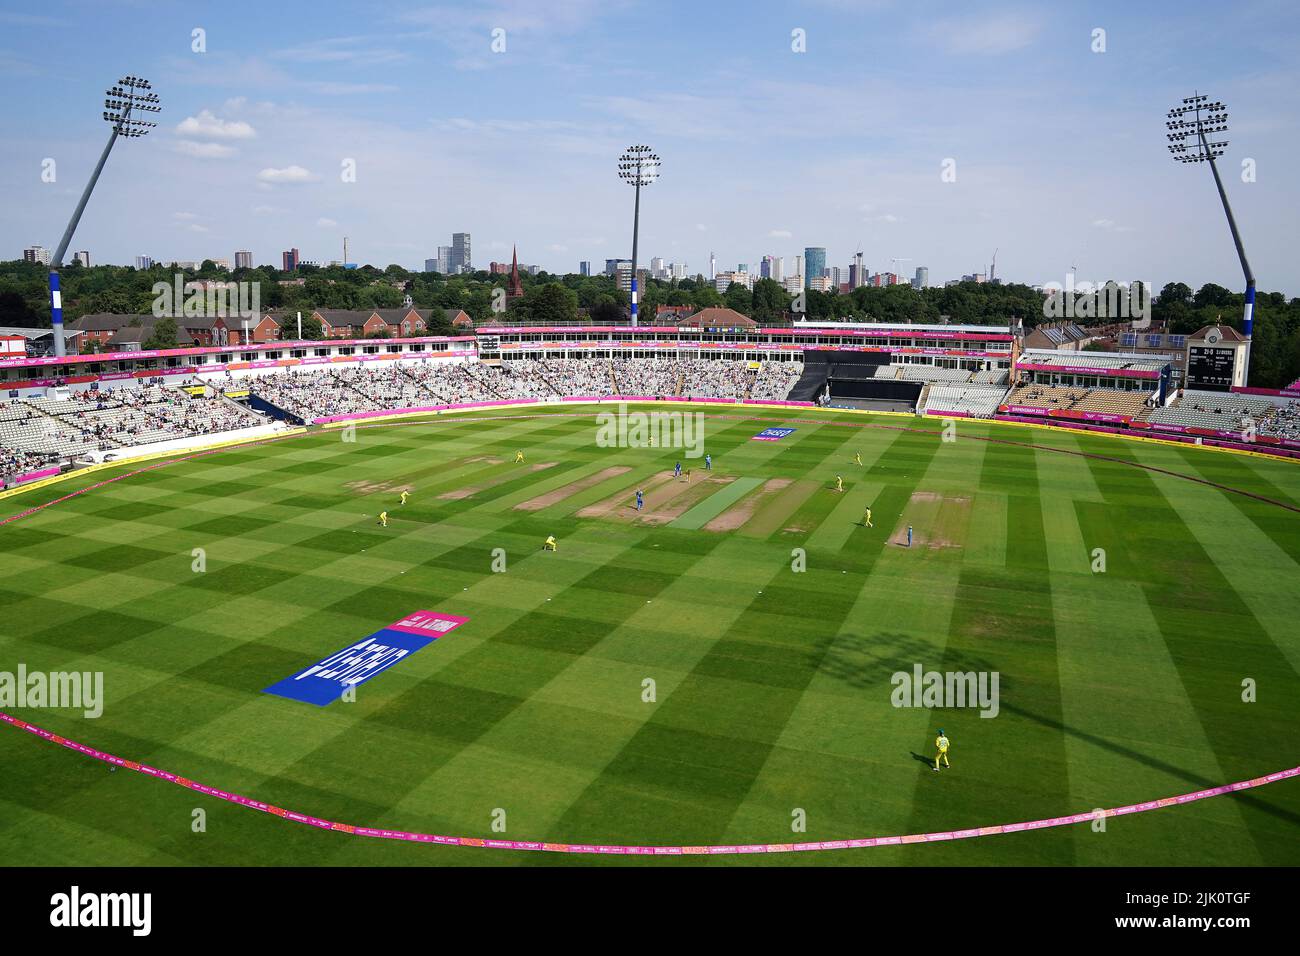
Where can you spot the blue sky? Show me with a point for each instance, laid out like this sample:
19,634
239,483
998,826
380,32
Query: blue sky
1059,151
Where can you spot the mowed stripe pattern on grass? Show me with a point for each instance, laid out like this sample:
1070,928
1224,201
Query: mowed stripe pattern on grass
539,707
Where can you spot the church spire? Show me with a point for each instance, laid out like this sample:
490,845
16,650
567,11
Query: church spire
516,287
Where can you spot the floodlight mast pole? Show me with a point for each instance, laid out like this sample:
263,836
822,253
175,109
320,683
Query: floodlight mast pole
636,229
1215,122
1248,314
56,298
123,98
638,166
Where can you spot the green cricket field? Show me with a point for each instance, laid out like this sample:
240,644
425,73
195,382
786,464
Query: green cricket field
720,667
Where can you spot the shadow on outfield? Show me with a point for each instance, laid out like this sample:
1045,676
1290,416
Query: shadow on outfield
1244,797
869,662
862,662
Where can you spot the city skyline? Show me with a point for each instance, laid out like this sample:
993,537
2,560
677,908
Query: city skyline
304,132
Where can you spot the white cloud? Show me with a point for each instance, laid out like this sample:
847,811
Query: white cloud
325,223
185,216
289,174
701,227
1110,225
207,125
204,150
780,234
985,35
195,227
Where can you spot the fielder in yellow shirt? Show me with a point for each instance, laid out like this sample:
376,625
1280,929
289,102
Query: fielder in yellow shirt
857,458
383,518
839,483
549,544
941,745
405,495
519,457
866,520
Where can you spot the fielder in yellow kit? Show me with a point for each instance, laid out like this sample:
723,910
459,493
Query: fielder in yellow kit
866,520
839,483
857,458
405,495
519,457
383,518
549,543
941,745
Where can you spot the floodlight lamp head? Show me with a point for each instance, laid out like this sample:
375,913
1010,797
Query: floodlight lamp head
639,165
125,98
1189,126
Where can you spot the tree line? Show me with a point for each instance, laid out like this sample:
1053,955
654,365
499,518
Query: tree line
558,299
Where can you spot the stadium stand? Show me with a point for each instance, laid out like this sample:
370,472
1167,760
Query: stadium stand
1223,411
47,430
977,401
319,393
1113,401
932,373
1283,422
1044,396
1104,401
991,377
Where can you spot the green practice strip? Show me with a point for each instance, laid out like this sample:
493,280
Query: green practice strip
715,504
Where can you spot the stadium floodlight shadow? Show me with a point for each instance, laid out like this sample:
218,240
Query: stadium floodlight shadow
860,661
1146,760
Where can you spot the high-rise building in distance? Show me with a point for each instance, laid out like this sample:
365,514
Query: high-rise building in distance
144,262
289,260
83,257
37,253
461,259
584,267
922,278
814,264
243,259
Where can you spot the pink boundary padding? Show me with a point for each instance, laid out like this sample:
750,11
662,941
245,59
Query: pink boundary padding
935,837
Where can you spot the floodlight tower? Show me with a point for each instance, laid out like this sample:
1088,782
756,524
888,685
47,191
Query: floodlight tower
130,95
640,167
1195,119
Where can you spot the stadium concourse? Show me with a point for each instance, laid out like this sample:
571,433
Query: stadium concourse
59,426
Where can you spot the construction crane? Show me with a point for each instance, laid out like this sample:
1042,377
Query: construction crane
993,269
896,260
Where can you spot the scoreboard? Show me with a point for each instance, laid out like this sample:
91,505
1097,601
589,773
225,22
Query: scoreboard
1210,368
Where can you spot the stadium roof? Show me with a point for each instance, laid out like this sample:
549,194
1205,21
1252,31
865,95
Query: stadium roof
717,318
990,329
32,335
1127,360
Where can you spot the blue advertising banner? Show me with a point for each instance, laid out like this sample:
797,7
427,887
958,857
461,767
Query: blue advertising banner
328,679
